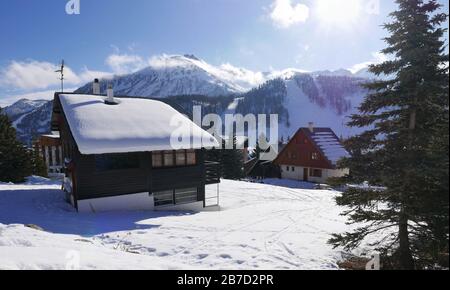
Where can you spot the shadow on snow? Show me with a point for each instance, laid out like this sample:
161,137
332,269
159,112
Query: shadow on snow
48,209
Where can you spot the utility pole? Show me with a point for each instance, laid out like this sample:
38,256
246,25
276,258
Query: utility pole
61,71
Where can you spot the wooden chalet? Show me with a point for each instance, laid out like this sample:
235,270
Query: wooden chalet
119,154
312,155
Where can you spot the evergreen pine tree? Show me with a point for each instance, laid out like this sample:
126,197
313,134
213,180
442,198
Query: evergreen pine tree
232,160
15,162
39,167
406,149
256,153
215,155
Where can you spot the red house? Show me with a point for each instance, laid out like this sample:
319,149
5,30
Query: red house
312,155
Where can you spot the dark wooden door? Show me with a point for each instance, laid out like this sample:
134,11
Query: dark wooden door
305,174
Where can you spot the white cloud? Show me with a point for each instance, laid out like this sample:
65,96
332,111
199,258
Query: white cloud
285,14
247,79
377,57
166,61
88,75
30,75
34,75
125,63
286,73
39,75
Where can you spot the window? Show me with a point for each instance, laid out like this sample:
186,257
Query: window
187,195
191,157
314,156
177,196
157,160
163,197
293,169
168,159
287,168
181,158
174,158
315,173
108,162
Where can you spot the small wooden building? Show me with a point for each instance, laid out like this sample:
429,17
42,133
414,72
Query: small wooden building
261,169
50,149
123,153
312,155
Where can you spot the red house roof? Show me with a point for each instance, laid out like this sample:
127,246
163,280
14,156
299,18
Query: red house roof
323,141
329,144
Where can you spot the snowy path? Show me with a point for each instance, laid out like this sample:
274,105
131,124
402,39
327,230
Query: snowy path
259,227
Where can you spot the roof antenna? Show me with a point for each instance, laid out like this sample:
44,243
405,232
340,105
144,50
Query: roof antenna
61,71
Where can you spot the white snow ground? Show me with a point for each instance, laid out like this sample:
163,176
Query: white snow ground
260,226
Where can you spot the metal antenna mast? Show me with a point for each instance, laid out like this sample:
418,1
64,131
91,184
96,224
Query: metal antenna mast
61,71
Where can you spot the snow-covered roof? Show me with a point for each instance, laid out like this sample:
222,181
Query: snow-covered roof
52,136
329,144
133,125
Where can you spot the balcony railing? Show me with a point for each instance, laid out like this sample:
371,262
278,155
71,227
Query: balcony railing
212,174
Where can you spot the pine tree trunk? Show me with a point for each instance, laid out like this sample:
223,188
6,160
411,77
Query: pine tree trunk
405,256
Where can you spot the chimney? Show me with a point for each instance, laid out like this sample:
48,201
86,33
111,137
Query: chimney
110,96
311,126
96,87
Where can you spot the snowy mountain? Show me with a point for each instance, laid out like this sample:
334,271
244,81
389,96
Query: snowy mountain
178,75
299,98
21,107
335,73
31,118
326,98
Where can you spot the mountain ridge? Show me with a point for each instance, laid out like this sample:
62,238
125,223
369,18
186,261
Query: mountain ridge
297,96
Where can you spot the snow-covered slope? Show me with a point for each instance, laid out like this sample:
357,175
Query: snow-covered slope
23,248
260,226
299,98
327,101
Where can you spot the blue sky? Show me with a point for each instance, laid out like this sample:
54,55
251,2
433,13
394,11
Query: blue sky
110,36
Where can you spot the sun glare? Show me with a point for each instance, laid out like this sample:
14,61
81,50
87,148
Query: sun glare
338,12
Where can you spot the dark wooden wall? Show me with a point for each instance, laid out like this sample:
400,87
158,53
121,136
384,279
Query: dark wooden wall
94,184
